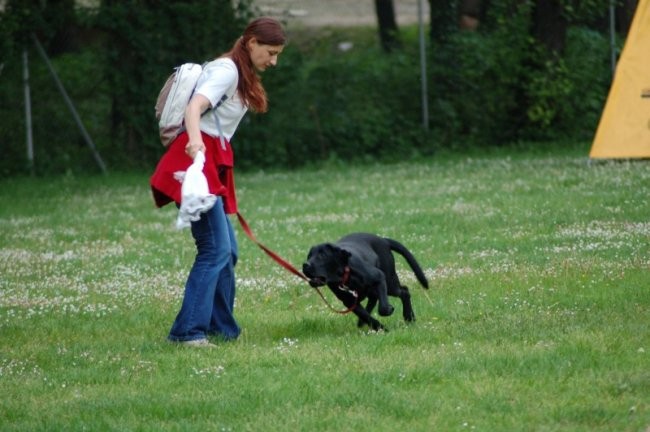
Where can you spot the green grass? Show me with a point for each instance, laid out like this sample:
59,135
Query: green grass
536,320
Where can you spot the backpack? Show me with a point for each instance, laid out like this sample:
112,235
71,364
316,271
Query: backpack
173,98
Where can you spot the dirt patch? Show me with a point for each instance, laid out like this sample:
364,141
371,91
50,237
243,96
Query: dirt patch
338,13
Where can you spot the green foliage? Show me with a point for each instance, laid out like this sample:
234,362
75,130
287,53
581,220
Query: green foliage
495,86
566,95
590,77
20,18
537,315
58,144
143,49
350,105
545,88
8,26
132,46
585,11
486,88
478,79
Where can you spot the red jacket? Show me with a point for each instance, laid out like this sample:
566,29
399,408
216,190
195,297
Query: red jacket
218,171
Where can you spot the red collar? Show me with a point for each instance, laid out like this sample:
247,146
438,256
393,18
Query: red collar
346,277
343,286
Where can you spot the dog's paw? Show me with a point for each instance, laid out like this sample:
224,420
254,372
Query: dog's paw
409,317
386,311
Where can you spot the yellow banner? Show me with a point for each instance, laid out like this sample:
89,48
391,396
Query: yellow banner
624,128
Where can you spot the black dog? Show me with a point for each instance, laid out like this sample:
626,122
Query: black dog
361,266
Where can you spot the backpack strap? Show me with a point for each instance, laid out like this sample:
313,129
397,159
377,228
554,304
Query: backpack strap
216,120
216,117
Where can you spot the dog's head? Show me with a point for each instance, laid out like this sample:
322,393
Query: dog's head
325,264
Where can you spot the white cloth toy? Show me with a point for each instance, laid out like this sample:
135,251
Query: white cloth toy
195,196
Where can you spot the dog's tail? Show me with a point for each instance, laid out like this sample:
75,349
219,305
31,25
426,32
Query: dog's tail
410,259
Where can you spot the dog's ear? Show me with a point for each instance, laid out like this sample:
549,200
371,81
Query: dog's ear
343,256
327,249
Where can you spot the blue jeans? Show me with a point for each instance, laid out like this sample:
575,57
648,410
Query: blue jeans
209,298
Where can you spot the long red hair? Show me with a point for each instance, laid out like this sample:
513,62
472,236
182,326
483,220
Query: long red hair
266,31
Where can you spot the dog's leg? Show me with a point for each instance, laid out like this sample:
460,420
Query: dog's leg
352,303
370,306
372,302
407,307
385,308
365,318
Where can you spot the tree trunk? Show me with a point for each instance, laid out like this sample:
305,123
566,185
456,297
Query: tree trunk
470,14
549,25
387,24
61,22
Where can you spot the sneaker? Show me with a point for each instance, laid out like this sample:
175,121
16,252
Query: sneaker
197,343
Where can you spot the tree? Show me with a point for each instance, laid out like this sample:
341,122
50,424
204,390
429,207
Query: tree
145,40
61,26
388,32
470,14
549,26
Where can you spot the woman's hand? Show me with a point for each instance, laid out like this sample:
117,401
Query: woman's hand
194,146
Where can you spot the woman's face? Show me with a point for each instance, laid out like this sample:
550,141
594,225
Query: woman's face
263,56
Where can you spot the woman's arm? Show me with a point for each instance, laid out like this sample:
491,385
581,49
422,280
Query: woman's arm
197,106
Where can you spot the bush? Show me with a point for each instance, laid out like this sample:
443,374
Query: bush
353,105
141,52
113,79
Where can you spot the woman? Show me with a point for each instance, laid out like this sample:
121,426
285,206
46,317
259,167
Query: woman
232,84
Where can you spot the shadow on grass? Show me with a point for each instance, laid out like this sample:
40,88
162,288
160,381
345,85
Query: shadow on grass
323,326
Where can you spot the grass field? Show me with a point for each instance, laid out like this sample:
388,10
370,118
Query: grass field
537,318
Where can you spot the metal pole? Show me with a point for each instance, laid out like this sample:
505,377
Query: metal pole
28,113
68,101
423,69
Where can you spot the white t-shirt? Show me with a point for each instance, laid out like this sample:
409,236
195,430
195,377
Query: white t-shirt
220,78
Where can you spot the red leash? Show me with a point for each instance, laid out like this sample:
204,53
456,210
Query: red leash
291,268
268,251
